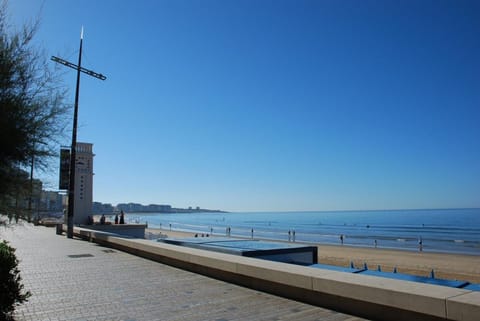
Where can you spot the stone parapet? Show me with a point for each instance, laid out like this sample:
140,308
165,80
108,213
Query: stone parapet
132,230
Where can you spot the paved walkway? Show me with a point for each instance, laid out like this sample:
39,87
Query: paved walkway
72,279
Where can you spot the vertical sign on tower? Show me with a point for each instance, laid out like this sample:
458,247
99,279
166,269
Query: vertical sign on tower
64,168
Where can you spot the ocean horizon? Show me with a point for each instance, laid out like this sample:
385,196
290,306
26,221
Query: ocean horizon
455,230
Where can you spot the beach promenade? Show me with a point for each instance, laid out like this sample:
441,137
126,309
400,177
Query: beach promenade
72,279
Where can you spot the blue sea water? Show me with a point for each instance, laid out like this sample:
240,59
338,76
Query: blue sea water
441,230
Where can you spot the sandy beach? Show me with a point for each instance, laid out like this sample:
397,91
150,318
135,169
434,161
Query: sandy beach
445,265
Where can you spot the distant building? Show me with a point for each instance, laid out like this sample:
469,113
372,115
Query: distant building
159,208
130,207
52,202
135,207
101,208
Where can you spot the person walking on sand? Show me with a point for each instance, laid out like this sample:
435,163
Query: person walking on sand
420,244
122,218
116,218
341,238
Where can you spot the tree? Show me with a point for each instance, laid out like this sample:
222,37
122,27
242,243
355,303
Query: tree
11,287
32,113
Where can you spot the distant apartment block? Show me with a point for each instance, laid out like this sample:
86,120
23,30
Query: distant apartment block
135,207
158,208
130,207
101,208
52,202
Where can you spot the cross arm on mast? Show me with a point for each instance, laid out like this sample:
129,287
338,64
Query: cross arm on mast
73,66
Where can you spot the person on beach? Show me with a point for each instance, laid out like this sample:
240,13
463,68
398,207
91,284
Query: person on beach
341,239
420,244
122,218
102,219
375,242
116,218
293,235
289,235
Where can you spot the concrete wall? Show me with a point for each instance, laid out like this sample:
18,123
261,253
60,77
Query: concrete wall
362,295
132,230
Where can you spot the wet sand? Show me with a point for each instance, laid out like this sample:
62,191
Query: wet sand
446,265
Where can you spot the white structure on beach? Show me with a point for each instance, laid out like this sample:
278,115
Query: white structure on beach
83,183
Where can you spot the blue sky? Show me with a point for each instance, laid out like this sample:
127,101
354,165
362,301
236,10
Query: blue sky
275,105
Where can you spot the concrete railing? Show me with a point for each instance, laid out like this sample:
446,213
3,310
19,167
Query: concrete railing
133,230
362,295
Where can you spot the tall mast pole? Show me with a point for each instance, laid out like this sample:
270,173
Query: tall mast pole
73,151
71,185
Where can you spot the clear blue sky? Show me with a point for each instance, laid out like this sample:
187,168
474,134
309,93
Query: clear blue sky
275,105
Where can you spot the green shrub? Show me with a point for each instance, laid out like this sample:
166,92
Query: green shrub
11,289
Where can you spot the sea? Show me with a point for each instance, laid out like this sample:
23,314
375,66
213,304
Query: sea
438,230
